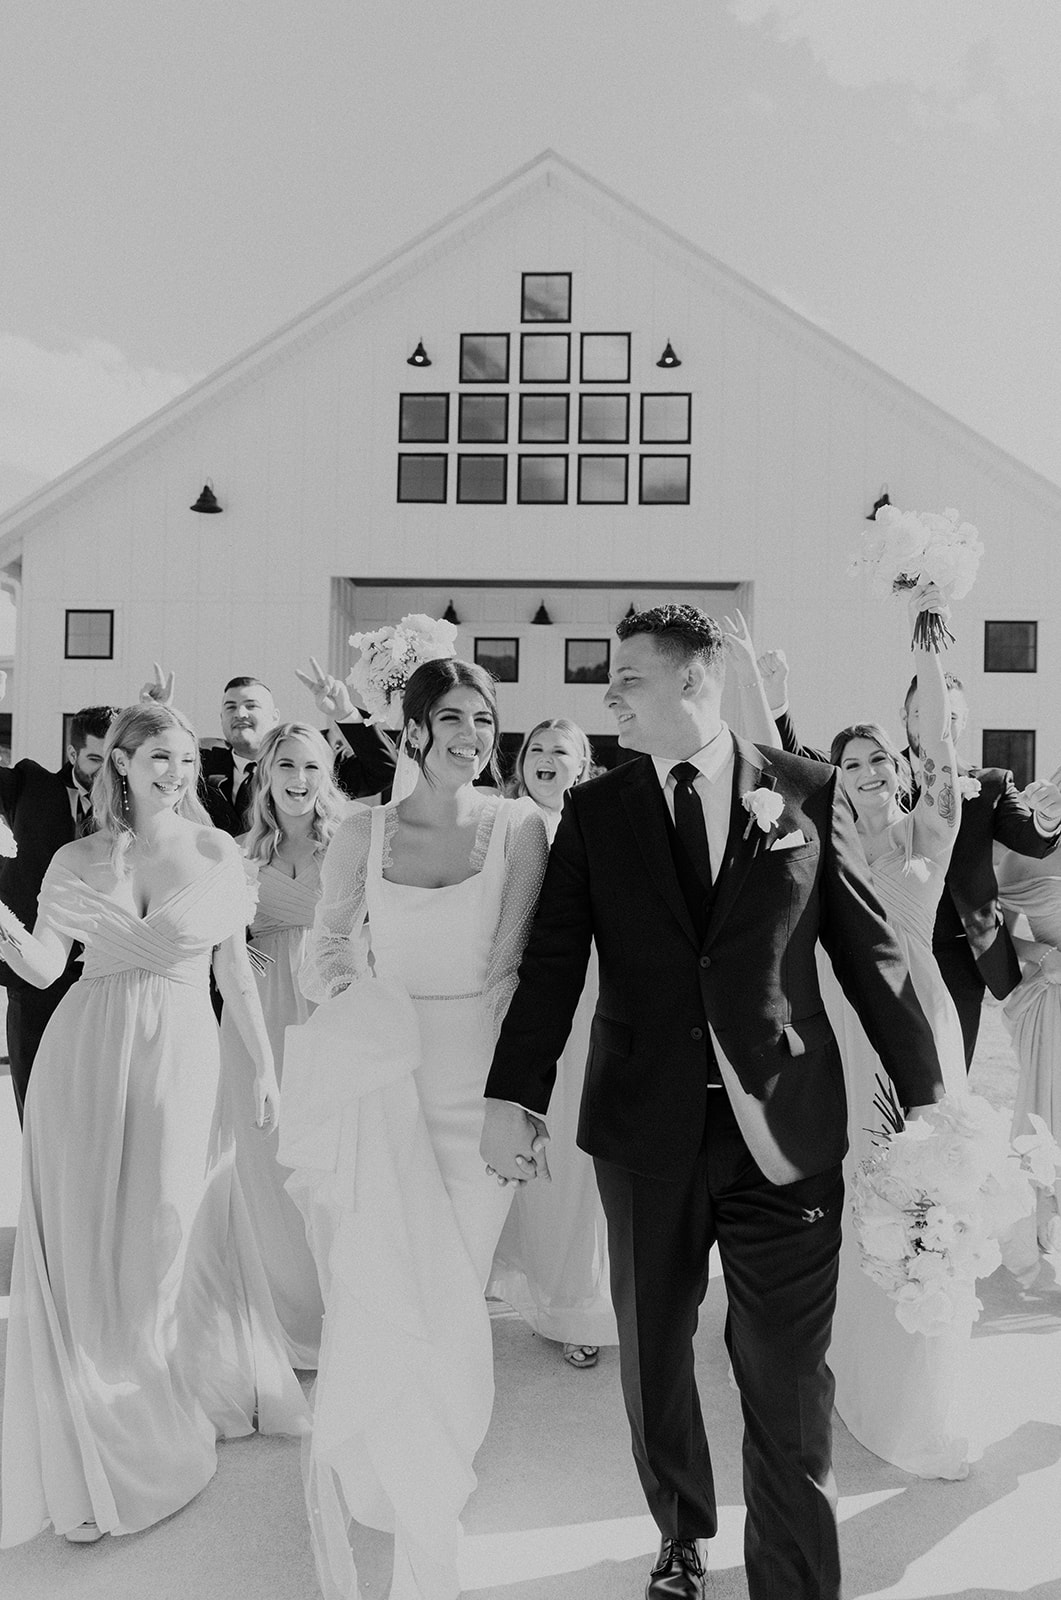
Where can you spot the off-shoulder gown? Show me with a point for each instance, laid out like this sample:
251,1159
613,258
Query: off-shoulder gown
382,1119
897,1392
282,921
141,1326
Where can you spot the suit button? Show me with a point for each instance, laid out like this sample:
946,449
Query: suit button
696,1033
705,961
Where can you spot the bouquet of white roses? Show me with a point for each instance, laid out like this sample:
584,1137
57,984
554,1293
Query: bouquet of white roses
932,1205
390,656
904,549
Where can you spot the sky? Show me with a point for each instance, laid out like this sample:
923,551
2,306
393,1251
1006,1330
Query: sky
179,179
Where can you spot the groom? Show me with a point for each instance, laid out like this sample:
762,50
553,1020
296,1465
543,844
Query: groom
706,872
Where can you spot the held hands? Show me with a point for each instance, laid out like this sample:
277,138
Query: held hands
513,1143
158,689
331,696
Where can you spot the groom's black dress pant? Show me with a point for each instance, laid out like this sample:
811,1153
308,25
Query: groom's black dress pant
779,1248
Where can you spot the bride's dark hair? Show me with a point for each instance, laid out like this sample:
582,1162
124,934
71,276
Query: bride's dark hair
426,688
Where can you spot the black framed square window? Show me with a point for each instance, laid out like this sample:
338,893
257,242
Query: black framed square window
664,481
1012,748
545,357
544,418
604,418
482,480
666,418
89,636
421,479
423,419
542,480
587,660
484,358
1011,647
482,418
546,297
499,657
602,480
605,358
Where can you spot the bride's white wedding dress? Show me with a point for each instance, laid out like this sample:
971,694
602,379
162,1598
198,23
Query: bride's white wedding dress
382,1114
896,1392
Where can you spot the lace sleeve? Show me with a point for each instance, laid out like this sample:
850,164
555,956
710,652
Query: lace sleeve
336,953
526,852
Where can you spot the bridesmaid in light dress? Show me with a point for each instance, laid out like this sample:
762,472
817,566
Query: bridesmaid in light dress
551,1263
141,1325
295,809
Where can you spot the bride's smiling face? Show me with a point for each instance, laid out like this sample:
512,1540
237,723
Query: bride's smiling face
461,738
868,774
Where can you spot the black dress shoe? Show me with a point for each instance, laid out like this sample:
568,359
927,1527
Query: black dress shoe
679,1572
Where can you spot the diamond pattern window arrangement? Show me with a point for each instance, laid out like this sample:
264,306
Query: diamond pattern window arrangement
545,413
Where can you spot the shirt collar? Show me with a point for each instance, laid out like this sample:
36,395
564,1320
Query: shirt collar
711,761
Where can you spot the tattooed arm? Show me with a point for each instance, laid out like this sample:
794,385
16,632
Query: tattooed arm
938,810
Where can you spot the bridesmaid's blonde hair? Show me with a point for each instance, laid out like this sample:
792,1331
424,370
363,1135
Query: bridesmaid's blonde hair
329,808
110,800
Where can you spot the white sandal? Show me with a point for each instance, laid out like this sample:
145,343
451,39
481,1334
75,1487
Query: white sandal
581,1356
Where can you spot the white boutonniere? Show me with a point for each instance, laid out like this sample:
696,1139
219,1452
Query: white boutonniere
968,787
763,806
8,843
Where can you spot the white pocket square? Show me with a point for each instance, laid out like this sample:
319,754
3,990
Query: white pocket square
790,841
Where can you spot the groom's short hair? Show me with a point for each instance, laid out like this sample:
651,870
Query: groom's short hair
681,632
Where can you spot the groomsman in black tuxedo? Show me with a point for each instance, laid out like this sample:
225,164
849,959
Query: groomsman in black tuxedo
43,810
706,872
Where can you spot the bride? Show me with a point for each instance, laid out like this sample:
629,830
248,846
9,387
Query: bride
424,912
141,1325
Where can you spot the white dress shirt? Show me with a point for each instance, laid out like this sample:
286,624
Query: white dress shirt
714,787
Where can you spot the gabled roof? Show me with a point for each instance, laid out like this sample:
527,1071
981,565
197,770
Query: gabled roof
546,170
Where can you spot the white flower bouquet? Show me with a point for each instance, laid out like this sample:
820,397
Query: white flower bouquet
390,656
932,1205
904,549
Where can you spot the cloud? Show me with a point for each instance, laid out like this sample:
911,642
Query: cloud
59,405
969,61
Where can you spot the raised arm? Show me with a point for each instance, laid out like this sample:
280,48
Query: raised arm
938,810
755,718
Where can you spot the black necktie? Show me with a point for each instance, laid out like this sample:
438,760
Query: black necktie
243,793
692,858
83,823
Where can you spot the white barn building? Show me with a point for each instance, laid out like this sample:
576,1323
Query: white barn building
545,468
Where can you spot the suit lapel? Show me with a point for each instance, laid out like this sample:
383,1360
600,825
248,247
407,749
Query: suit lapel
750,771
647,811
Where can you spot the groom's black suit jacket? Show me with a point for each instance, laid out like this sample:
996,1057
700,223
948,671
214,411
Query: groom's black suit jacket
752,978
